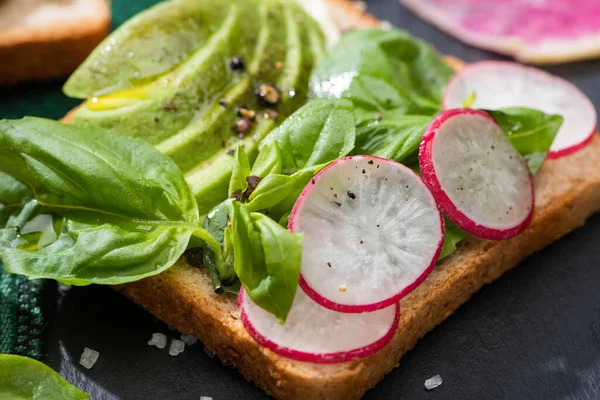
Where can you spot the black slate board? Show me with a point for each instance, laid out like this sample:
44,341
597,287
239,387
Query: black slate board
532,334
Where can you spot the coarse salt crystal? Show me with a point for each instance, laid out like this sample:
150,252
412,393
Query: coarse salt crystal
159,340
209,353
205,398
386,25
189,339
176,348
88,358
433,382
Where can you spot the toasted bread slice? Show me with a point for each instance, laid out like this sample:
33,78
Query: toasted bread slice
41,39
567,192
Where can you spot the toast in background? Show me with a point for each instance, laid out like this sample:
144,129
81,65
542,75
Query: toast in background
45,39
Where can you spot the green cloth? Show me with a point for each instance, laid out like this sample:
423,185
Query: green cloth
20,316
21,319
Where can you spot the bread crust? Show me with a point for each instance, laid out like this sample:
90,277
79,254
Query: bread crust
52,52
567,192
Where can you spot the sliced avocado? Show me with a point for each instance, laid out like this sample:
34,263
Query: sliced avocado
209,180
148,45
187,93
204,137
189,110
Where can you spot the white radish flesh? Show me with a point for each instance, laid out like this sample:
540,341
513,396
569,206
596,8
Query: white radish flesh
372,233
478,178
313,333
499,84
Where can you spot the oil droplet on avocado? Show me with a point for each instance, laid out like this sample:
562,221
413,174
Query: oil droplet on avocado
119,99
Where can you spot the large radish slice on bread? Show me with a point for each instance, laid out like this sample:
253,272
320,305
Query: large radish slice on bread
313,333
547,31
372,232
478,178
498,84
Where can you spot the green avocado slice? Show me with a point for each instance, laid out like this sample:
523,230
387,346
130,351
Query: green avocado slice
208,135
188,92
188,112
148,45
209,180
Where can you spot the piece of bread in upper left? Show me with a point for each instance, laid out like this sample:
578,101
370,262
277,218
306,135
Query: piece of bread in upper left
48,39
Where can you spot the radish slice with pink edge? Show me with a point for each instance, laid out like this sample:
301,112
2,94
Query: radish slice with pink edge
312,333
478,178
535,31
498,84
372,233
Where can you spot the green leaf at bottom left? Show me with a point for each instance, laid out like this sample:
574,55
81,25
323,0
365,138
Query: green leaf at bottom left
23,378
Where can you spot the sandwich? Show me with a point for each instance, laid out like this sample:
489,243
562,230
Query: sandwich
305,190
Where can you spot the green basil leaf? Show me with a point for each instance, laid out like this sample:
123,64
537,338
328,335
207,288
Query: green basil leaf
390,134
119,210
530,131
25,378
319,132
241,169
217,224
267,260
399,70
268,161
276,194
452,237
12,192
92,168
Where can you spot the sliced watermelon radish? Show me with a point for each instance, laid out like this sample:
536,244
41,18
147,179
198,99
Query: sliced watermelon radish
534,31
315,334
372,233
478,178
498,84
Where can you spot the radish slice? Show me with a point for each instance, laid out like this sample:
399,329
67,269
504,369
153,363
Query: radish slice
478,178
498,84
315,334
534,31
372,233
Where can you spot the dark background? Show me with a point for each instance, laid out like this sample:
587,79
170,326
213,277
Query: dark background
532,334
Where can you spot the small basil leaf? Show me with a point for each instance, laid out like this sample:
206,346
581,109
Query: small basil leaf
241,170
267,260
319,132
26,378
268,161
12,192
530,131
390,134
452,237
119,209
277,193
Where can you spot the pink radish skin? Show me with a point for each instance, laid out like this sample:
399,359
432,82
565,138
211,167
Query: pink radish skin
499,84
354,302
320,357
548,31
430,176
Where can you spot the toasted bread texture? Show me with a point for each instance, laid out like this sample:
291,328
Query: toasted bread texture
567,192
45,39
